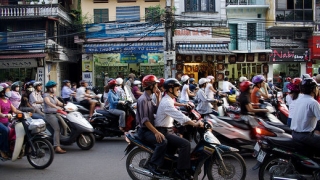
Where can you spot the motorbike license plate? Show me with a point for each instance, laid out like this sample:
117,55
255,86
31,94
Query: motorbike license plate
261,156
256,150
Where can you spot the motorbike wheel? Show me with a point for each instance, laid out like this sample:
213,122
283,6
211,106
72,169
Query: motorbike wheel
235,165
275,166
85,141
138,158
98,137
43,155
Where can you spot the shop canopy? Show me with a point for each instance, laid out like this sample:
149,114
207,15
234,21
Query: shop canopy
192,49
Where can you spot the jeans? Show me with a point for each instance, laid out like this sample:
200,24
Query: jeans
289,122
160,148
122,116
54,123
4,135
175,142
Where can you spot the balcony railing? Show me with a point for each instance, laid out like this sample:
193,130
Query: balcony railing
29,11
245,2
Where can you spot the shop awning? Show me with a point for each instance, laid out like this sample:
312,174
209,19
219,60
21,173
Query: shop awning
23,56
190,49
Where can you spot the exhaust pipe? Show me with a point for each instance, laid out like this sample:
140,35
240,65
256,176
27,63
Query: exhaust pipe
140,170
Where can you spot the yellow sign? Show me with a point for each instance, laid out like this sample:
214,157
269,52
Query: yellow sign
87,63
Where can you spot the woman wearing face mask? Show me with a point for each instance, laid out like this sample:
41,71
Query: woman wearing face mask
15,98
50,107
5,116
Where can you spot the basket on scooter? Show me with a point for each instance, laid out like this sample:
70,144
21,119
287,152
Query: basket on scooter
37,126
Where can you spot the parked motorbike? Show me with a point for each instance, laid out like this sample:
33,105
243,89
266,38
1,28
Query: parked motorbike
79,130
217,160
27,138
282,111
285,158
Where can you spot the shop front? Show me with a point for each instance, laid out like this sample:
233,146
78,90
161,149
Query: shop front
313,66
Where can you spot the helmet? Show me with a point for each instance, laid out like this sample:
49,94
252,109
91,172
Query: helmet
288,79
307,85
110,79
119,81
65,81
191,80
82,82
242,78
3,86
14,85
293,87
50,84
161,81
148,81
258,79
37,83
184,78
203,80
244,86
296,81
210,77
305,76
269,79
170,83
112,83
136,82
318,78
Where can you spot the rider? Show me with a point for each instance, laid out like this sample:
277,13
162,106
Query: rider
5,108
166,113
15,98
66,92
209,90
136,89
304,118
146,109
50,107
114,100
292,96
160,86
204,106
256,94
227,86
119,89
36,99
192,85
81,98
185,93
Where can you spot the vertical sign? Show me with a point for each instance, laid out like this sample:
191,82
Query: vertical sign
87,76
40,75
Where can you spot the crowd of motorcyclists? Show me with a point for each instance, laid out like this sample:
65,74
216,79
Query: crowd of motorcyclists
158,104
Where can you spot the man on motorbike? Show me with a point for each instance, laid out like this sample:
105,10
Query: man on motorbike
81,98
146,109
192,85
304,118
36,99
160,87
256,94
66,92
166,114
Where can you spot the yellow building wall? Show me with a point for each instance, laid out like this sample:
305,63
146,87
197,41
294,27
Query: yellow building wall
87,7
270,15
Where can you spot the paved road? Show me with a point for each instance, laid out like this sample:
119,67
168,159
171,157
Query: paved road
102,162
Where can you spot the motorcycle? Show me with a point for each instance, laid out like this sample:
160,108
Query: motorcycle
78,129
285,158
282,111
217,160
27,138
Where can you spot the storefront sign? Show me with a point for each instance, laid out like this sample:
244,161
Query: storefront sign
134,58
21,63
40,75
22,40
87,62
286,55
314,45
87,76
122,49
118,30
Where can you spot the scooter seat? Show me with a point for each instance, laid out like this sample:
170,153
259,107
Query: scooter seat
281,126
288,143
107,114
237,123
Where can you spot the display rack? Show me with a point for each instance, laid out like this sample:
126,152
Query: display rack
155,69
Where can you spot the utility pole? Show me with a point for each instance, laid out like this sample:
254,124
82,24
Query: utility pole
169,54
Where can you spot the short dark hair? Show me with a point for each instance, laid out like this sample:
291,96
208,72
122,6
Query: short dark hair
226,78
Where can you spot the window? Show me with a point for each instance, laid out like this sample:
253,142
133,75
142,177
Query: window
200,6
101,15
294,10
100,1
128,13
125,1
152,15
252,31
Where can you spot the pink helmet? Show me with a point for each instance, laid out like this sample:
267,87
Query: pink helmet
210,77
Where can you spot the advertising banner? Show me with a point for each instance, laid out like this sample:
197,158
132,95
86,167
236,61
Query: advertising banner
22,40
87,63
286,55
20,63
134,58
87,76
123,48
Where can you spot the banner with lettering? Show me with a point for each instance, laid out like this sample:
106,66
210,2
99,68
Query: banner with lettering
87,76
18,63
40,75
288,55
134,58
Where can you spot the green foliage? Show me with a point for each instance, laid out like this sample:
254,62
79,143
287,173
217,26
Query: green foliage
154,14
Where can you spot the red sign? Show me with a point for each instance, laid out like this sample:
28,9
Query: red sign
288,55
314,45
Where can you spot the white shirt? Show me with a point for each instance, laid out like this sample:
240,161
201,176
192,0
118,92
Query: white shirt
304,118
81,91
208,91
204,106
288,100
292,105
166,113
184,93
226,86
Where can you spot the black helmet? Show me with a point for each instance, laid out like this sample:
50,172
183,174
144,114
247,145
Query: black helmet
170,83
307,85
191,80
65,81
14,85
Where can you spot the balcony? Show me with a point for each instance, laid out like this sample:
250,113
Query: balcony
34,11
245,2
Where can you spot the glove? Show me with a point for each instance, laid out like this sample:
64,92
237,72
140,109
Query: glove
121,102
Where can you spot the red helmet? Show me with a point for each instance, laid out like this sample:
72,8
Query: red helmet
112,83
296,81
161,81
288,79
245,85
149,80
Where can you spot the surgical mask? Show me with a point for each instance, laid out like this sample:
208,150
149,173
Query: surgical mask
30,89
139,85
8,94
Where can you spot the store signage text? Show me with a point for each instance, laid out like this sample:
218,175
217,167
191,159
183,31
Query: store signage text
40,75
18,63
287,55
22,40
119,49
87,76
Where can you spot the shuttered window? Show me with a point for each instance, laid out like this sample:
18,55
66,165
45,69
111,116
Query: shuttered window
100,1
128,14
101,15
260,31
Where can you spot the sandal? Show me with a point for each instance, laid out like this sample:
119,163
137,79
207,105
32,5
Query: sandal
4,155
59,150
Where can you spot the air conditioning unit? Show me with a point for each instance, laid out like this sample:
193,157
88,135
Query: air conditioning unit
300,35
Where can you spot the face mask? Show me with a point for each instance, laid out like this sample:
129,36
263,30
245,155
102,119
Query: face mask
30,89
139,85
8,94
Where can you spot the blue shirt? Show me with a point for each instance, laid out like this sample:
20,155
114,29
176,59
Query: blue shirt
192,87
113,99
285,89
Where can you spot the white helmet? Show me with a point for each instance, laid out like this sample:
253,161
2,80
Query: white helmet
136,82
210,77
119,81
37,83
242,78
184,78
203,80
269,79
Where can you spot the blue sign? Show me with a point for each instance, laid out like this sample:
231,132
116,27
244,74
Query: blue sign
122,49
114,30
22,40
134,58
